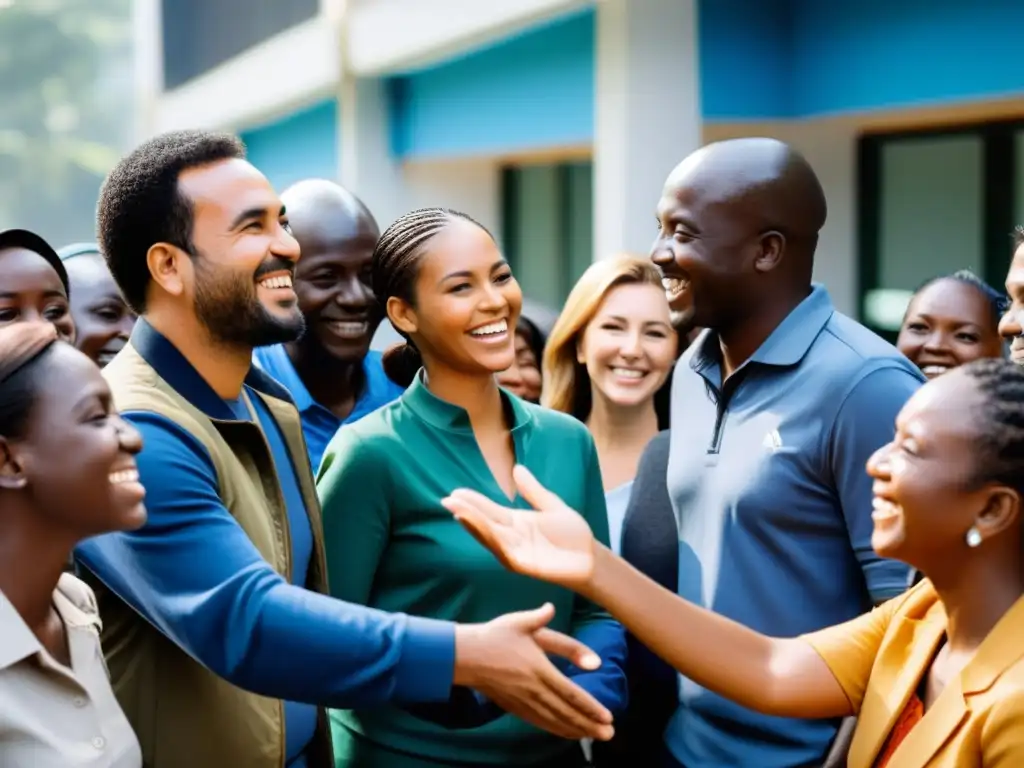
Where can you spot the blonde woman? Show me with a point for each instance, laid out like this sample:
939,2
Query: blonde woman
609,353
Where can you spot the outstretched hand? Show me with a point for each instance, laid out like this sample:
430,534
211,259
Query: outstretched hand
506,660
554,543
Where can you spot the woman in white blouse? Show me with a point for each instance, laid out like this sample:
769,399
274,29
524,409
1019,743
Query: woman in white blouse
609,353
67,472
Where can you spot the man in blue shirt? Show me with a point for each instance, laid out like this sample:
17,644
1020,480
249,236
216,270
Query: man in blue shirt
332,375
775,411
230,563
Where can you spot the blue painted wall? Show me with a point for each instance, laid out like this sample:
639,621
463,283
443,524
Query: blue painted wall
532,90
299,146
869,54
743,52
802,58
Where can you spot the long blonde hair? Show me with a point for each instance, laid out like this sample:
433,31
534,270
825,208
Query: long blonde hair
566,383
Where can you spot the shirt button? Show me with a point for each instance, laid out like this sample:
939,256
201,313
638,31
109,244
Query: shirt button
79,701
99,742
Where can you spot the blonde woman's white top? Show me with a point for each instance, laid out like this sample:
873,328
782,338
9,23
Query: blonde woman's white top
53,716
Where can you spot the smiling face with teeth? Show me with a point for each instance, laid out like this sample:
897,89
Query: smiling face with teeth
628,347
948,323
238,277
333,279
466,303
74,459
927,488
737,225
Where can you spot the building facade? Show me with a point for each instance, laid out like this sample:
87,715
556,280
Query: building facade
555,122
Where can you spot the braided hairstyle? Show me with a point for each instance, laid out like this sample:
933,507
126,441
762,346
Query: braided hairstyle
1001,436
22,347
996,299
396,263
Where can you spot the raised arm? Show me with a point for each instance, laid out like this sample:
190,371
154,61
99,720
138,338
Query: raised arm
784,677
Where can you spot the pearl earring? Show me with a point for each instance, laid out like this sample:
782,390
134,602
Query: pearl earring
973,537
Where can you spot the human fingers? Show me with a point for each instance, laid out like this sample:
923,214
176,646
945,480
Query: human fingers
574,698
578,709
536,711
567,647
481,528
530,488
489,509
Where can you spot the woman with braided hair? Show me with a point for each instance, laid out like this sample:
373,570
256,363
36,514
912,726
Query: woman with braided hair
391,544
67,472
936,675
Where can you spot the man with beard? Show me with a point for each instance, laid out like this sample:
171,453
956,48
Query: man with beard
219,643
330,372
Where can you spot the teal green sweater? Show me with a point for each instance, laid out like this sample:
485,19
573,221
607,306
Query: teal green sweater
391,545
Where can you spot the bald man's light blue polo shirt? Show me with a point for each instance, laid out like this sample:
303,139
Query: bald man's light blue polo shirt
768,483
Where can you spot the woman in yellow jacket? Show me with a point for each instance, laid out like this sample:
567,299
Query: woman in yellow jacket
936,675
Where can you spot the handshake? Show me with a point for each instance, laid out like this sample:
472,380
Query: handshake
505,660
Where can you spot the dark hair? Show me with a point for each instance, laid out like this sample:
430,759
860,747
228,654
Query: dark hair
1018,236
140,204
396,261
996,299
1001,436
535,338
30,241
22,346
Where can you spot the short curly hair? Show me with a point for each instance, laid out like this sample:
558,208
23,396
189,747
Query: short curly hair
140,204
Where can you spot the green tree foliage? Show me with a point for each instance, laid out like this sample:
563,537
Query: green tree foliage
66,93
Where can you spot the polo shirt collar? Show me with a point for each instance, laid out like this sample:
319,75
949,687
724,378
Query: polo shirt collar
787,344
444,415
173,368
17,642
279,366
283,370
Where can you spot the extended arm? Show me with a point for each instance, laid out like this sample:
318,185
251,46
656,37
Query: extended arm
193,573
785,677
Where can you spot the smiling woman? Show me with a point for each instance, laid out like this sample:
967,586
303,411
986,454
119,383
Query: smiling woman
391,545
952,320
610,352
60,439
33,283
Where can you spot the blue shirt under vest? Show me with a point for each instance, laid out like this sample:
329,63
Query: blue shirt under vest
318,423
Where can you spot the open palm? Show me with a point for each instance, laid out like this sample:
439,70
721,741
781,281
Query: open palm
554,543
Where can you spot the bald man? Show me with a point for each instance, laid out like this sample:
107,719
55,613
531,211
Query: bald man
330,372
776,408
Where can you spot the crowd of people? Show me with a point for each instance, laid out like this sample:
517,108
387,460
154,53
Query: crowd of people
702,520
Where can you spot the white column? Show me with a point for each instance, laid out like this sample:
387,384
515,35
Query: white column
368,167
148,47
647,114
